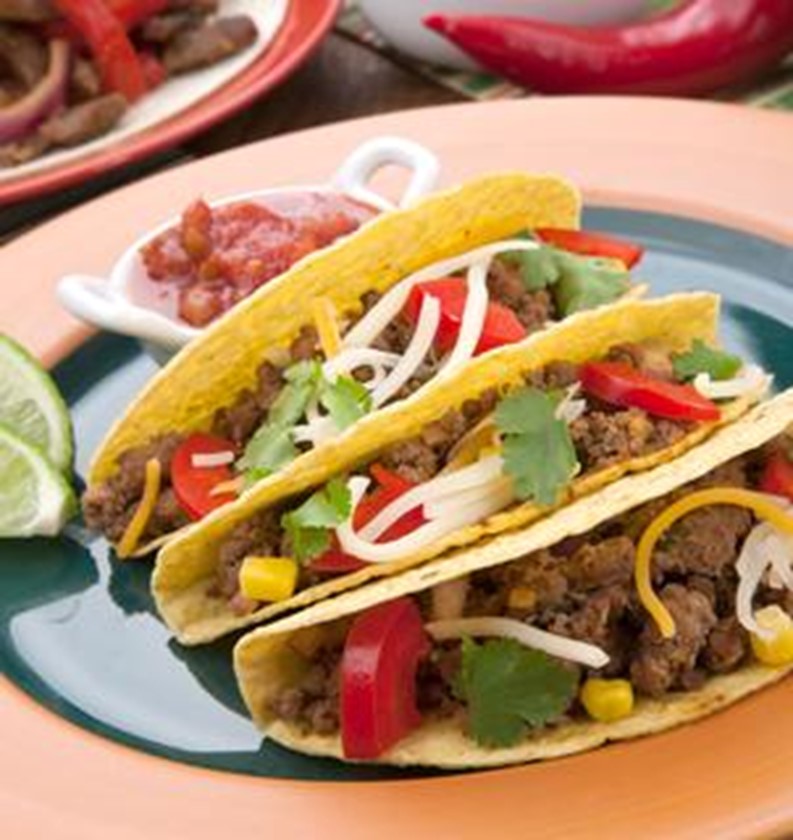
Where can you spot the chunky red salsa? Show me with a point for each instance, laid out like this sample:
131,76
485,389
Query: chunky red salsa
217,256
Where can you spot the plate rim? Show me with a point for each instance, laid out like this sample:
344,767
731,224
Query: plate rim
157,788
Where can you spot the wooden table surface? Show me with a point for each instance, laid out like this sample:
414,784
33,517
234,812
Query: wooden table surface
343,80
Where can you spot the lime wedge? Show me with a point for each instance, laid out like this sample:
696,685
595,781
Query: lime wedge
35,499
31,405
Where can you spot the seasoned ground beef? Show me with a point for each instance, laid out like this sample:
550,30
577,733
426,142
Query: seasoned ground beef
646,358
260,535
109,507
314,705
534,309
603,438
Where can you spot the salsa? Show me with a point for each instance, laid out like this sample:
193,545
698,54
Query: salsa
215,257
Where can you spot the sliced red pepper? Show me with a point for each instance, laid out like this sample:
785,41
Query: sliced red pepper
193,485
591,244
107,39
133,13
378,678
501,323
390,487
153,70
777,476
620,384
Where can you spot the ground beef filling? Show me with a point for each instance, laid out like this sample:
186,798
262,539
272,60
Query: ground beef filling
583,588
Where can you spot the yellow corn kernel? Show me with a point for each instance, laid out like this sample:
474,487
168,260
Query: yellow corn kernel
778,649
521,598
607,700
268,578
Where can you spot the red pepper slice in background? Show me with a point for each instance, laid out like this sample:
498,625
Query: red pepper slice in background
591,244
378,678
193,485
696,47
390,487
107,39
501,324
153,70
620,384
777,476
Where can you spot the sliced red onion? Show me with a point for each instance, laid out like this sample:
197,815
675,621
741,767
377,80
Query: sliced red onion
24,116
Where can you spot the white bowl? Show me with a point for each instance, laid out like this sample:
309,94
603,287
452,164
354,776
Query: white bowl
124,302
399,21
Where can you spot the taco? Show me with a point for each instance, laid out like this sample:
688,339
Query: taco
511,436
664,597
344,333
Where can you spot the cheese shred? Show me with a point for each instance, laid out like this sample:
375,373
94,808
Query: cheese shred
137,525
323,313
760,504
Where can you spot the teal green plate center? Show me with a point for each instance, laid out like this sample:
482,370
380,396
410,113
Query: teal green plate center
79,634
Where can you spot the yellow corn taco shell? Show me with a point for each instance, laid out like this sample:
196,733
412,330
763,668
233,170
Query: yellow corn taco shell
186,566
265,660
210,371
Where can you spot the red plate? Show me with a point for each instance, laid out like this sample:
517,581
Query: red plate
305,24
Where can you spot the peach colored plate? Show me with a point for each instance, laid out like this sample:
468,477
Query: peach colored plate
305,24
730,775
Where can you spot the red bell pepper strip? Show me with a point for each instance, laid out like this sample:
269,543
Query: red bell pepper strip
153,70
378,678
193,485
693,49
620,384
501,325
390,487
777,476
107,39
591,244
130,13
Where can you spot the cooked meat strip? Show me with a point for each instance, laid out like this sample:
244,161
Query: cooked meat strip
213,42
84,122
163,28
23,151
23,54
199,7
85,83
27,11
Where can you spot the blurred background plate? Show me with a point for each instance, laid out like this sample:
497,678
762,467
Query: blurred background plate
305,23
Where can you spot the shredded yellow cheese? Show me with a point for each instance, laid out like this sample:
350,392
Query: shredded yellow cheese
758,503
137,525
324,314
233,485
483,439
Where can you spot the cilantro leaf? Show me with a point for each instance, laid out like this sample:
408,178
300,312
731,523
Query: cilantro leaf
346,400
537,449
509,688
586,283
308,526
538,268
303,380
267,451
703,359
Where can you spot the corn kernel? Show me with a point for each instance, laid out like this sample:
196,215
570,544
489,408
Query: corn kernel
521,598
268,578
778,649
607,700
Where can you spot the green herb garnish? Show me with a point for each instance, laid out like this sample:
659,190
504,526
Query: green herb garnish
509,688
537,448
703,359
346,400
309,525
586,283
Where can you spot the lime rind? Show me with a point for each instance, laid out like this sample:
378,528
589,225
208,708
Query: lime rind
35,498
32,406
